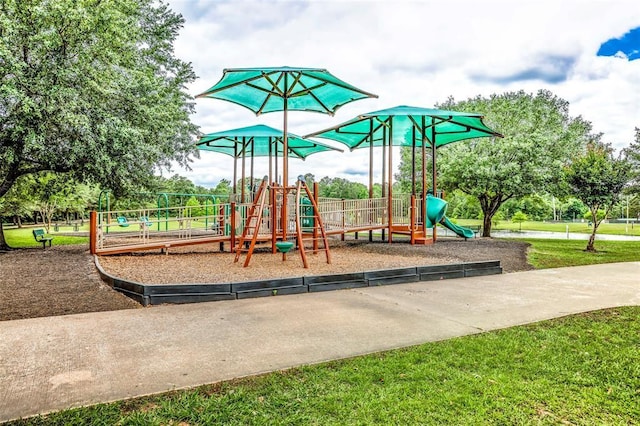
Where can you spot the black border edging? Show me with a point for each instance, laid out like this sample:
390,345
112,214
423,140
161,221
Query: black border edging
155,294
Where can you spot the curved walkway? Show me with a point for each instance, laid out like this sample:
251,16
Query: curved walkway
49,364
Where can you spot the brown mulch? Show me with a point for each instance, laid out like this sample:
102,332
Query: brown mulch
63,280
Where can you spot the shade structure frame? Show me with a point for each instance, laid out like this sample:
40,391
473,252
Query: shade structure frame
259,141
240,85
434,127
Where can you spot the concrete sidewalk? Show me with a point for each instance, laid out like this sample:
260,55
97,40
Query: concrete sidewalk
49,364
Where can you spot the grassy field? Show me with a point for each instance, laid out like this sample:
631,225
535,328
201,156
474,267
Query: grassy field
23,237
578,227
559,253
583,369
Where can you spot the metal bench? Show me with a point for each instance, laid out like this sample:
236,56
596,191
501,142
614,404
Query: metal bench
41,237
475,228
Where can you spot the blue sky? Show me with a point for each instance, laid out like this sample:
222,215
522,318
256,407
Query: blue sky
414,53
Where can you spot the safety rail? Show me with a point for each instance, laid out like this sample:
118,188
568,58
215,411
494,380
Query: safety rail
122,228
339,214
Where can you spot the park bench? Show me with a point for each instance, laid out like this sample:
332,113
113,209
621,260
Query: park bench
41,237
475,228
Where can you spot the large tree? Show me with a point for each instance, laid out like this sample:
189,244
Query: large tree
597,178
92,88
539,139
632,153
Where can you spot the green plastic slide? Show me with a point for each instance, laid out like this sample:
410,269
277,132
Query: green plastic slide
436,213
459,230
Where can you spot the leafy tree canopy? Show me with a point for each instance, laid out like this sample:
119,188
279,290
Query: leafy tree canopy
342,188
597,178
632,153
539,139
91,88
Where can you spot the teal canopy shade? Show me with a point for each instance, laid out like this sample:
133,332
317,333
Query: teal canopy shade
259,141
264,90
409,126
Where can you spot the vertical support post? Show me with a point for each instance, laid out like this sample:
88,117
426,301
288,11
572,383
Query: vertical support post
93,234
251,169
384,174
412,219
316,223
344,225
413,161
233,227
270,159
285,158
235,169
390,211
433,171
423,203
370,177
244,151
273,217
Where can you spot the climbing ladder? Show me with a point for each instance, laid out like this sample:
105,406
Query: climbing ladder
303,219
252,225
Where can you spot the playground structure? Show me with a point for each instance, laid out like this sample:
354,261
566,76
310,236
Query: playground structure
309,221
284,216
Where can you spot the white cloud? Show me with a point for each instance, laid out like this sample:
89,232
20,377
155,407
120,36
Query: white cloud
411,53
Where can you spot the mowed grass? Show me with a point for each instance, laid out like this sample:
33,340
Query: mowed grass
583,370
559,253
575,227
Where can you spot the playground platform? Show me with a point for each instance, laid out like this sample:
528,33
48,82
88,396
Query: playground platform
113,232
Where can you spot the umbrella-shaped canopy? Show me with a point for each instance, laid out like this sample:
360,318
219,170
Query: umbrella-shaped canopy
258,141
264,90
408,126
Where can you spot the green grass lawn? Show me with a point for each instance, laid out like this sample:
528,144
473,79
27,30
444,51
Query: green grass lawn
578,227
23,237
583,369
559,253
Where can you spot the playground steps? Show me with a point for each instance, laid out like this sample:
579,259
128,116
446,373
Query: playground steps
309,226
418,236
247,242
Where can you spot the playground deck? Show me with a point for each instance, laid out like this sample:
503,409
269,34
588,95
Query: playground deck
161,229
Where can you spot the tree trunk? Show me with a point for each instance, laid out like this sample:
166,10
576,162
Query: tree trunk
596,223
489,206
486,226
592,239
3,243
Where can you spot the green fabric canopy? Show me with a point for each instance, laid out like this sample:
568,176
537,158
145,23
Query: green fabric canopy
270,89
408,126
259,141
264,90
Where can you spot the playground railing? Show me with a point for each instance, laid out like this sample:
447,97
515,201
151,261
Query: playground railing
340,214
137,227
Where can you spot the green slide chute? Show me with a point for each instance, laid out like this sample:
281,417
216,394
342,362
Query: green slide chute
436,213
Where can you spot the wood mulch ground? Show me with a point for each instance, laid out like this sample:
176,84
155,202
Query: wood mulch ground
63,280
